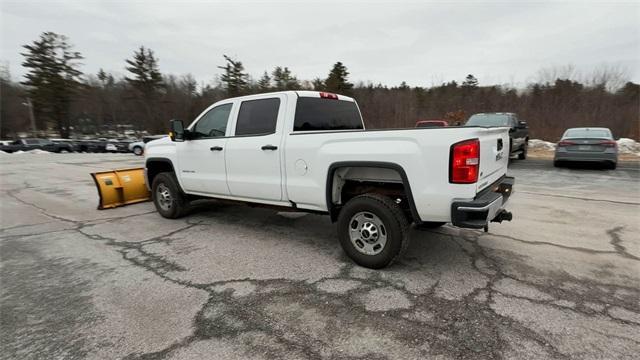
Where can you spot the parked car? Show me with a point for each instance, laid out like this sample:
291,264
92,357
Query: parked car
309,151
36,144
585,144
137,147
431,123
69,142
91,145
518,129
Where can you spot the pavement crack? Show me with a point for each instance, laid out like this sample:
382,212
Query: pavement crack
580,198
616,241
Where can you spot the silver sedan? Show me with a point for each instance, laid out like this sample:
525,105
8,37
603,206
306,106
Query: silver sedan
587,145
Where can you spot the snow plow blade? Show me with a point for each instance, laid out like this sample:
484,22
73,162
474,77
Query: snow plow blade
121,187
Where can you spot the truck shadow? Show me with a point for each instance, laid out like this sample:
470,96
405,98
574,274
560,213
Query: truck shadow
425,248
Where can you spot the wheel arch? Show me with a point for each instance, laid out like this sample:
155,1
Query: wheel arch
334,209
154,166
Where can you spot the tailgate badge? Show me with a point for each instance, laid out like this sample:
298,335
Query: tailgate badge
499,156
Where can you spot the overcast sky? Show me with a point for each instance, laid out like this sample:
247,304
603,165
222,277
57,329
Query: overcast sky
388,42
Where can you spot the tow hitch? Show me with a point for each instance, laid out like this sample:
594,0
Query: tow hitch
503,215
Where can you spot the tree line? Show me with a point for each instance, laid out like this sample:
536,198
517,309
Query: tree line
56,94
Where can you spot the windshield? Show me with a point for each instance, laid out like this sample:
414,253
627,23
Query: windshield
588,133
488,120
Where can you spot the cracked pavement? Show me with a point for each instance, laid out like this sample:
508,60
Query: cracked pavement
561,281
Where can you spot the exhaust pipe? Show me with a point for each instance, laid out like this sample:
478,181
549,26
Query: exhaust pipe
503,215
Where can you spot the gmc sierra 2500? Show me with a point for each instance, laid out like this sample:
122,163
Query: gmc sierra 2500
309,151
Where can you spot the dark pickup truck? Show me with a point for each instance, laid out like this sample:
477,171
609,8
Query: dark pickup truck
36,144
518,129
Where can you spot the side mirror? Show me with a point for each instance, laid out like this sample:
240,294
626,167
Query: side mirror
177,130
522,124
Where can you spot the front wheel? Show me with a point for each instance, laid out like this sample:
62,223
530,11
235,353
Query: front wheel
138,150
167,196
373,230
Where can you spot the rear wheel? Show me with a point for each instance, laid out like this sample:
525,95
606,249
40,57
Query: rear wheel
169,200
523,154
557,163
373,230
612,165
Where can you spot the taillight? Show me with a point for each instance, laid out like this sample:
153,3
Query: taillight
326,95
464,162
608,143
563,143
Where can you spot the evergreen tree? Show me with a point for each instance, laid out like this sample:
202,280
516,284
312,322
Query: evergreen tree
470,82
318,84
284,80
264,84
234,79
337,80
146,78
52,78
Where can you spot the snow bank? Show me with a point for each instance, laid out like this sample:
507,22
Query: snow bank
34,151
541,145
628,146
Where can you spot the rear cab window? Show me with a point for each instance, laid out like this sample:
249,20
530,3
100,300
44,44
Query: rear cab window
588,133
321,114
490,120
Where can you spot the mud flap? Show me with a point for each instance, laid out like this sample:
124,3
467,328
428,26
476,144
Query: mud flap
121,187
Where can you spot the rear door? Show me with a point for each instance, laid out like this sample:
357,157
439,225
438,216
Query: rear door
254,152
494,155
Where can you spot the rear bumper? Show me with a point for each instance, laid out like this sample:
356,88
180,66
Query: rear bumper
485,207
586,156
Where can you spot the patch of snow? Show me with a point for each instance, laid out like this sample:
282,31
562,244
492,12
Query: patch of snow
541,145
34,151
628,146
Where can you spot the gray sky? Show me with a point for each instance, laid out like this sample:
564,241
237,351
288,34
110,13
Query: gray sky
388,42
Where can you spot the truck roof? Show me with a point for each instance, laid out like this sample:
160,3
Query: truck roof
299,93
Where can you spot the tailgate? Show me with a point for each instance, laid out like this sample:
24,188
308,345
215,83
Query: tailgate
494,155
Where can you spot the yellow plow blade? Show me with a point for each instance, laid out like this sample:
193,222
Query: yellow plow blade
121,187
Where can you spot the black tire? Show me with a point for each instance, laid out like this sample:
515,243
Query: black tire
394,226
138,150
612,165
426,225
523,154
557,163
171,207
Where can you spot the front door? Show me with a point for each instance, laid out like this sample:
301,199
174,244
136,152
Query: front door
201,159
254,152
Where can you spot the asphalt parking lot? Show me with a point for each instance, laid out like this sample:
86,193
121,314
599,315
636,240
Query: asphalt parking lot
229,282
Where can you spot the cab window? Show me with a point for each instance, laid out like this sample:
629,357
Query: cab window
213,123
258,117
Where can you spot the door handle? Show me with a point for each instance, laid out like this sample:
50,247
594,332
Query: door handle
216,148
269,147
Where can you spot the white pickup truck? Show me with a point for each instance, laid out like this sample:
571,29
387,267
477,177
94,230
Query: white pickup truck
309,151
